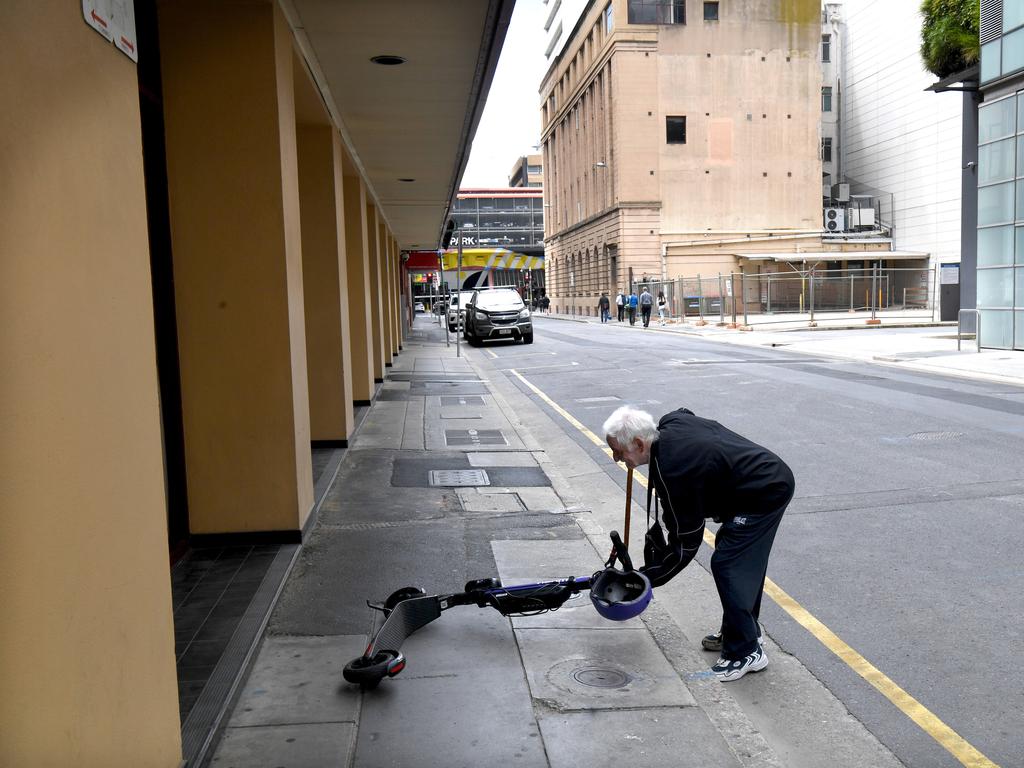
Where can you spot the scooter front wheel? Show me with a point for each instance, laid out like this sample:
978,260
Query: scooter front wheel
368,672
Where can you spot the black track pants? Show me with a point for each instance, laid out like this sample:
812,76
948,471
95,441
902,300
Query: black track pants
739,564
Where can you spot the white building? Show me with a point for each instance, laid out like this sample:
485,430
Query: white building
559,22
896,138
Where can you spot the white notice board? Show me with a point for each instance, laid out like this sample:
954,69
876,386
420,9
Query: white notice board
949,274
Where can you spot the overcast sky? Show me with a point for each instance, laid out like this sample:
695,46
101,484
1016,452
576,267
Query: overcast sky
510,125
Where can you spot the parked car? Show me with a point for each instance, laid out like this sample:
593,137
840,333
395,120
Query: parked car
497,313
463,298
418,307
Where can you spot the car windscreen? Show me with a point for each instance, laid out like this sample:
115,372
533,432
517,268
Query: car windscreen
499,300
463,299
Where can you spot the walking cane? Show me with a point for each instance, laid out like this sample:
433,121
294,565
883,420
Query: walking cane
625,524
629,503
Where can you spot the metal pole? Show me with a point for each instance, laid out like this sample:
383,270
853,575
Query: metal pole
743,294
851,290
721,300
732,285
874,273
458,298
935,291
812,295
769,293
700,300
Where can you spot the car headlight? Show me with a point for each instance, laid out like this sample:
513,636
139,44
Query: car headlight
481,316
524,314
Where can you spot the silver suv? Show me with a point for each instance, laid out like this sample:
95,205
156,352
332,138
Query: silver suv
497,313
463,298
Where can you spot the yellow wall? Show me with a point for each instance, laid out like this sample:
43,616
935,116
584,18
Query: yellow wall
236,239
356,261
328,346
86,640
373,294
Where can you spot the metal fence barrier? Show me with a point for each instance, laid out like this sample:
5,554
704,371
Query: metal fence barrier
768,295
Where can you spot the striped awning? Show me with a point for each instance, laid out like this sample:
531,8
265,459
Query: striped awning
492,258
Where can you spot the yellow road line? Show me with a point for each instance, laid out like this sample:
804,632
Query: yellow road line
925,719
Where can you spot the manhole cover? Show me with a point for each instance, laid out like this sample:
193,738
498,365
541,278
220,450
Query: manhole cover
450,478
474,437
936,435
452,400
601,677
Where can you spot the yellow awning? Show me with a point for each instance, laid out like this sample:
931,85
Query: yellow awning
492,258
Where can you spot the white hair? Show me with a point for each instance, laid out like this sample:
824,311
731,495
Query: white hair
627,423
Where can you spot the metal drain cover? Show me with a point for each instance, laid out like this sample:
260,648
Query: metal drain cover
454,478
474,437
448,401
601,677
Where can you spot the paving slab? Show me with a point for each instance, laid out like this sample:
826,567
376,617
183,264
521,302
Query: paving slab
322,745
475,500
503,459
382,427
653,738
546,559
540,499
584,669
298,680
462,701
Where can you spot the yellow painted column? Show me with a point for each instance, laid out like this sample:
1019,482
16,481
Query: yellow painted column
236,239
385,294
86,636
374,291
325,282
396,338
356,262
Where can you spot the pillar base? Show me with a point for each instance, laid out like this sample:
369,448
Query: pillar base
872,321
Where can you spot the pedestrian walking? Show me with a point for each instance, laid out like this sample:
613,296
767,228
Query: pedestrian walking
620,304
662,308
602,305
631,307
699,470
646,305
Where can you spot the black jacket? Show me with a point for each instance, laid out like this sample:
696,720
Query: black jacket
699,470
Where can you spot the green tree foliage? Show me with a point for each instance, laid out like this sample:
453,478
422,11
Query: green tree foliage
949,35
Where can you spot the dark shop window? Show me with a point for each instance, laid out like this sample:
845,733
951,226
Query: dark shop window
675,130
826,150
656,11
711,11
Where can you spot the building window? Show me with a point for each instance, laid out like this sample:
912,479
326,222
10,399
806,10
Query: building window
826,99
826,150
826,48
609,21
656,11
711,11
675,130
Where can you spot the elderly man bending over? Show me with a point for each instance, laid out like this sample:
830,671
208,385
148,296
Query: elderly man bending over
699,470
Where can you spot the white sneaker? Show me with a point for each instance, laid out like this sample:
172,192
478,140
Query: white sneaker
728,670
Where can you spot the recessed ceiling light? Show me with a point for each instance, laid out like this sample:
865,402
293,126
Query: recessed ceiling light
387,60
407,181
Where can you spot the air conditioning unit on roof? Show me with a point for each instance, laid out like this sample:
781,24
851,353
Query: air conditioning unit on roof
835,220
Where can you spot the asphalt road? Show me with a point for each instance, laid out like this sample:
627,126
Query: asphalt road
906,531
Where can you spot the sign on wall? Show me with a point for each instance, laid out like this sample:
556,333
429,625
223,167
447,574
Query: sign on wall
115,20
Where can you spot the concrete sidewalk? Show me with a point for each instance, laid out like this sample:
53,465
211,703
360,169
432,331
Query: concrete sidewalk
909,341
563,689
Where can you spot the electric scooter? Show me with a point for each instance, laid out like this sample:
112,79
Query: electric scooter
616,594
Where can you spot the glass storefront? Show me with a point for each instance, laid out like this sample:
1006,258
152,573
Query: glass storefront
1001,222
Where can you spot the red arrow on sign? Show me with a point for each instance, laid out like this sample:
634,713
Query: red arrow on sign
97,17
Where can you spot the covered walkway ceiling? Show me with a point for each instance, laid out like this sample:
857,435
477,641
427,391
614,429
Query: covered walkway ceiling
414,120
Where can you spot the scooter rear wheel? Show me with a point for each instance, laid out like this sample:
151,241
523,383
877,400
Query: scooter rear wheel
367,673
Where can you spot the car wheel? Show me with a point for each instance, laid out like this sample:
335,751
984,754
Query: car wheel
528,338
